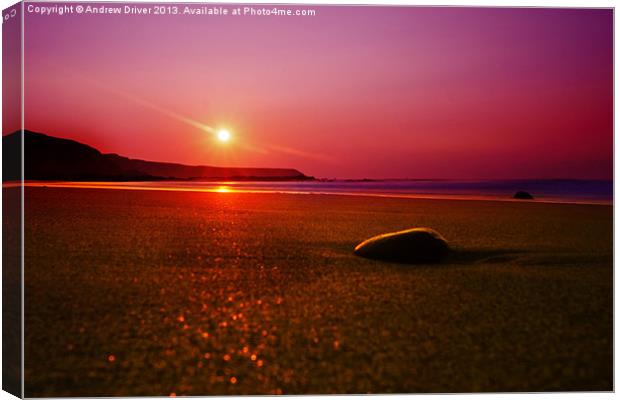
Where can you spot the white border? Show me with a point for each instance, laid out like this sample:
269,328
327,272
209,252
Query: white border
481,3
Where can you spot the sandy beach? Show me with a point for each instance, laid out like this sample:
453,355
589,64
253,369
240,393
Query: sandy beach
161,292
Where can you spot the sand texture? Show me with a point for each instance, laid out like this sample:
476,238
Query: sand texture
154,293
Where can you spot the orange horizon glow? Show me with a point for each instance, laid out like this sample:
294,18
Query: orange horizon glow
229,188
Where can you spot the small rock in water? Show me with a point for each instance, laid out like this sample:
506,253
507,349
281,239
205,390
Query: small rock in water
417,245
523,196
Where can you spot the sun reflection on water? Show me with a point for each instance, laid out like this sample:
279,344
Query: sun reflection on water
222,189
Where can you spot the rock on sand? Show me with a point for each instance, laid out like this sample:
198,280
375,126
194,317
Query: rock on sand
417,245
523,196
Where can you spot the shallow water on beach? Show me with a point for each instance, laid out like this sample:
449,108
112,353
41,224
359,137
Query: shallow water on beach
556,190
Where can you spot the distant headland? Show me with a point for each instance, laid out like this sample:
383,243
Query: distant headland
52,158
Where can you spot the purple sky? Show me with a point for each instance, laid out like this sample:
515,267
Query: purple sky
352,92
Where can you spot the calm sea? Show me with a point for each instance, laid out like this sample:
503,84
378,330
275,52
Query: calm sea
580,191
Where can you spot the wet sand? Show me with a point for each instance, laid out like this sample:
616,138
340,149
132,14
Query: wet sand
153,293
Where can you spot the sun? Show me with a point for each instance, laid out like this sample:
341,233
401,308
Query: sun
223,135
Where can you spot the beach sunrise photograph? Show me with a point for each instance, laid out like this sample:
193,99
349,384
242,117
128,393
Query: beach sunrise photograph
207,199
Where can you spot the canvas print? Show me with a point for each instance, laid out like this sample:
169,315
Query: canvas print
279,199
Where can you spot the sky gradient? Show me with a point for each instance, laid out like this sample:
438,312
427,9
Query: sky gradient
353,92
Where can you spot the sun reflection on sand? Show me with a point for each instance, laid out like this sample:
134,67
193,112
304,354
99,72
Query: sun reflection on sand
230,316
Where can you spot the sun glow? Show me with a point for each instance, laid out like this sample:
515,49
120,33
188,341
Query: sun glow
223,135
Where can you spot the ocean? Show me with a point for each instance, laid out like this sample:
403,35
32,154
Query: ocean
550,190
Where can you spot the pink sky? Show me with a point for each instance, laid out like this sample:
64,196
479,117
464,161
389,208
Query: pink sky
352,92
